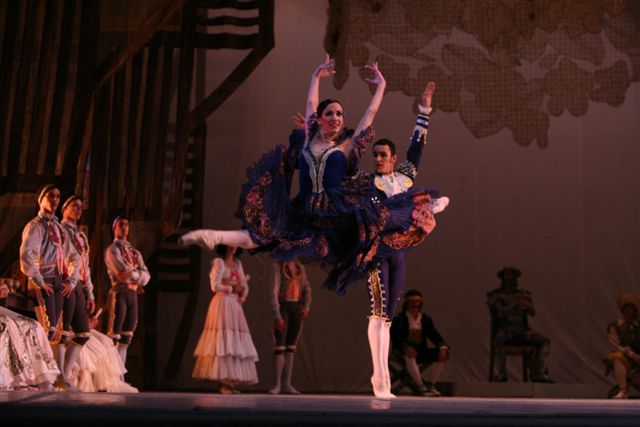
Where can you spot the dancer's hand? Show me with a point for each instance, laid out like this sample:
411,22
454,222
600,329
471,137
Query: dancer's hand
278,324
4,292
427,95
304,313
298,120
326,69
91,306
48,288
378,78
66,289
443,356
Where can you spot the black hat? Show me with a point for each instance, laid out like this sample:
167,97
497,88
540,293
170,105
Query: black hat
511,270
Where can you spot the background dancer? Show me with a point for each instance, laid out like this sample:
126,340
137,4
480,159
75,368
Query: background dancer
45,257
225,350
290,303
80,303
128,274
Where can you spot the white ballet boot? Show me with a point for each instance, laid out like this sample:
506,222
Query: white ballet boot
122,352
385,337
438,204
380,380
278,366
59,355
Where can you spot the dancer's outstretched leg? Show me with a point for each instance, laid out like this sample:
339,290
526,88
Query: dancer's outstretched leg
208,239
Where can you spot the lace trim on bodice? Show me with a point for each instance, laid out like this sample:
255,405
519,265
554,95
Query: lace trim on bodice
317,166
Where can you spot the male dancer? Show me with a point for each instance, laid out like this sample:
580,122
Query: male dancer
290,303
45,257
127,273
80,303
386,283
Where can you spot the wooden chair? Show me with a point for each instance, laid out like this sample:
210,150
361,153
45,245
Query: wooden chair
513,347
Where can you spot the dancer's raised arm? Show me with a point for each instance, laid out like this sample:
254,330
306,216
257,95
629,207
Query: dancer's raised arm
376,100
323,70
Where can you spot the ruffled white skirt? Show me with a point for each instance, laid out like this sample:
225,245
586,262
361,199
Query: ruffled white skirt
225,350
99,367
26,358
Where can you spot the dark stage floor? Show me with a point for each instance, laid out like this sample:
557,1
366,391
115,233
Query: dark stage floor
179,409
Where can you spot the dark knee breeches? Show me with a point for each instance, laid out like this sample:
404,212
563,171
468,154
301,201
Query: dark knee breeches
75,316
52,303
125,315
287,340
386,284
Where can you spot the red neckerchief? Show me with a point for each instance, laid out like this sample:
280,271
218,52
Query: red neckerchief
129,256
57,238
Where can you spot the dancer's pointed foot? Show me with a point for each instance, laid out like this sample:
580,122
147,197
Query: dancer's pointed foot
380,391
439,204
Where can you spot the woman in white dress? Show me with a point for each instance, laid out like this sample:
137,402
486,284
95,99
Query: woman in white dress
225,351
26,359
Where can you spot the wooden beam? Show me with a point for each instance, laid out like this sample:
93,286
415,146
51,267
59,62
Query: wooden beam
61,86
139,39
226,41
185,79
233,4
228,20
87,48
264,43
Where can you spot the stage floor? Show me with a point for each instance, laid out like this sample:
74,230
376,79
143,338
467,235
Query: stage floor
178,409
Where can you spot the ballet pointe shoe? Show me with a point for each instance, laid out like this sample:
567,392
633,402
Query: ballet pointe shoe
206,239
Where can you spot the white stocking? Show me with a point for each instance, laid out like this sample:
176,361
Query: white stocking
278,366
414,370
288,372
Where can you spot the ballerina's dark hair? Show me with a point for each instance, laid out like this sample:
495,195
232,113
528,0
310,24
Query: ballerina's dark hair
325,103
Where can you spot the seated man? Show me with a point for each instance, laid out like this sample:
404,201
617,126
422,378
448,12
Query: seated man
510,308
624,336
409,333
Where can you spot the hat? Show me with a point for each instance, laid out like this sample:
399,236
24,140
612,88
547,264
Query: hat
628,298
44,190
413,295
512,270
